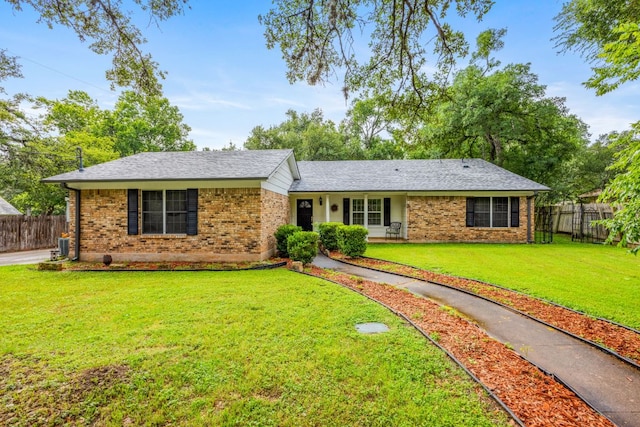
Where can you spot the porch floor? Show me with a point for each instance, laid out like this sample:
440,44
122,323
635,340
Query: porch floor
387,240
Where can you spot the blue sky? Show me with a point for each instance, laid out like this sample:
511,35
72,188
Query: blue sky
225,81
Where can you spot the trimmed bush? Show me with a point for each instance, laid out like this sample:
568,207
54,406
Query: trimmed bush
352,240
328,236
303,246
282,234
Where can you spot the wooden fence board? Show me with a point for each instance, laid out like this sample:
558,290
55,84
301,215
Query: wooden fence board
23,233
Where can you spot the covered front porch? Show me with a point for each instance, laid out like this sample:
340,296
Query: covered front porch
374,211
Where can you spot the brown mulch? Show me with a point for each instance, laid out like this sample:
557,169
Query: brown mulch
535,398
621,340
172,266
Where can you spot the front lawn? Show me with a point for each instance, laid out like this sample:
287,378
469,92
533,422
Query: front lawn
603,281
229,348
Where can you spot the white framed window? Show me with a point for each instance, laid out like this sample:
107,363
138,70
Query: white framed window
164,212
491,212
373,211
357,211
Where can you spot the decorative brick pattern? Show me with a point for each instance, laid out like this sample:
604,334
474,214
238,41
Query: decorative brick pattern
442,219
234,224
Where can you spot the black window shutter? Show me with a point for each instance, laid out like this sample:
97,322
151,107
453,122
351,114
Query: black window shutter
192,211
132,211
515,211
387,211
346,206
470,211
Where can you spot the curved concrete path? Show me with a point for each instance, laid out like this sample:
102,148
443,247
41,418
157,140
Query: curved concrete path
606,383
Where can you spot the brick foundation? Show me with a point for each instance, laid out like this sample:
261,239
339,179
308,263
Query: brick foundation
442,219
234,224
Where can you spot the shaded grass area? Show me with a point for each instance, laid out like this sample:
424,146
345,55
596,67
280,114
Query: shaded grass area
602,281
230,348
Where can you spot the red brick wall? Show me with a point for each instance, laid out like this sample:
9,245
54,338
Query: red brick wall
443,219
234,224
275,212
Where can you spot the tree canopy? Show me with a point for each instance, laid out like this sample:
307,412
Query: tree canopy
107,25
321,39
607,34
47,145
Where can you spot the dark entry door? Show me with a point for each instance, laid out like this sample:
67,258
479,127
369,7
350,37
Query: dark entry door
305,214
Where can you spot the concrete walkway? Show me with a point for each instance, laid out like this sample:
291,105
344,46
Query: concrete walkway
24,257
607,384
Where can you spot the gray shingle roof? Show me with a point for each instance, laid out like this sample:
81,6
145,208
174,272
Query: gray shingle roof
409,175
181,166
7,208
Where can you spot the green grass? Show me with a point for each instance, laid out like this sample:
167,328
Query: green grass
600,280
230,348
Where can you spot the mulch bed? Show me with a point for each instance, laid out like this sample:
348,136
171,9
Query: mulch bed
535,398
171,266
619,339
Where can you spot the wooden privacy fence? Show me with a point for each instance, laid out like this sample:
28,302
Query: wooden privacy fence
577,220
22,233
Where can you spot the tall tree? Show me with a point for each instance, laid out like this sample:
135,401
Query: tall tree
47,146
107,25
505,118
624,190
146,123
607,34
318,39
368,127
309,135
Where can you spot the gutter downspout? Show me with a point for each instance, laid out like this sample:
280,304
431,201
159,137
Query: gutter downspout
77,236
529,240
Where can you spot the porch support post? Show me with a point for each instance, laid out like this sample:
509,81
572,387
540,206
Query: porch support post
327,211
366,211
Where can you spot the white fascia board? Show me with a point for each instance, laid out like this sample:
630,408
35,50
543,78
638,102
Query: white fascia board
164,185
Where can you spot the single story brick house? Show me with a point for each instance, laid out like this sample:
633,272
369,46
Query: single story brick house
226,205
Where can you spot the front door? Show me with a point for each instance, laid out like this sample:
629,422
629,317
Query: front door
305,214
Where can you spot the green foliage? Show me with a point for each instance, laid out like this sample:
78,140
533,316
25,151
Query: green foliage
624,190
328,234
621,60
303,246
146,123
505,118
606,33
33,149
317,40
309,135
352,240
607,276
274,345
107,26
282,234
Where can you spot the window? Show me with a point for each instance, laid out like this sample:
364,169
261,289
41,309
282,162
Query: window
374,214
164,212
374,211
357,211
492,211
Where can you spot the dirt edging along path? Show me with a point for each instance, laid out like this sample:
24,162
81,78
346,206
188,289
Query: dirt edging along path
535,398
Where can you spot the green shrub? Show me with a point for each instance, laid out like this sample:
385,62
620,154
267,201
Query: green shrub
282,234
328,236
303,246
352,240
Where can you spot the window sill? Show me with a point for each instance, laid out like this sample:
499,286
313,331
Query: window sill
493,228
164,236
